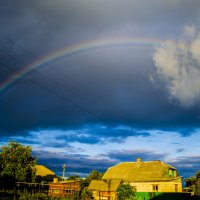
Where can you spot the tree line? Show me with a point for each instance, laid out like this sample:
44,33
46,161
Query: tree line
17,164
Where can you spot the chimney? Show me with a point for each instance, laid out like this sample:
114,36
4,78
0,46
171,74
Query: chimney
139,160
55,180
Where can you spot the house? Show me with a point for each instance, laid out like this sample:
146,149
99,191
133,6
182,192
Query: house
68,188
104,189
151,176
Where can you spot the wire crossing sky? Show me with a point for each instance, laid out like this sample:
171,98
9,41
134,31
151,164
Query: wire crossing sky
94,83
78,49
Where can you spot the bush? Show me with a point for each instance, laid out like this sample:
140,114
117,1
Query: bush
41,196
38,196
126,192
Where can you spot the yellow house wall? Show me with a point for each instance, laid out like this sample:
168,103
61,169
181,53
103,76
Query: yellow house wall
162,186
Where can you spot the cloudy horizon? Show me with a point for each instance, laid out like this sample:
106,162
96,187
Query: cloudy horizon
127,85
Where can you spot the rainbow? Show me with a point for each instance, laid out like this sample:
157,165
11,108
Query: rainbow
78,49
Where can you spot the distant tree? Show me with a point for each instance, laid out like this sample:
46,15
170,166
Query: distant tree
94,175
197,174
197,188
190,181
126,192
74,177
194,182
45,179
17,162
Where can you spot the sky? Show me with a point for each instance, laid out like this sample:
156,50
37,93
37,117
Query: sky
94,83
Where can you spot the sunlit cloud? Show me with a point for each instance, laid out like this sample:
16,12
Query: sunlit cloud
178,66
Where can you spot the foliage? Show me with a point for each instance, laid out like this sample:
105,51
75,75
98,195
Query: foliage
41,196
192,182
38,196
32,196
197,174
17,162
45,179
74,177
126,192
61,198
86,194
94,175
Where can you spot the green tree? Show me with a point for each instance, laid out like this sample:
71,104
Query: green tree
193,182
74,177
126,192
190,181
86,194
17,162
94,175
197,188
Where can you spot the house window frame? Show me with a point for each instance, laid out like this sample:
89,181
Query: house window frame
155,187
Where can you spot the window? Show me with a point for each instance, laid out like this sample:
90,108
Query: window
55,190
175,174
170,172
155,188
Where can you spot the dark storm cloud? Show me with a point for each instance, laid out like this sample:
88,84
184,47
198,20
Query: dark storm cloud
90,134
98,97
186,166
75,162
106,87
131,156
100,134
36,23
180,150
94,88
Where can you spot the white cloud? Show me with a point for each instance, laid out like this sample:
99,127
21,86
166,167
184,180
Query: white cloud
195,49
189,30
178,66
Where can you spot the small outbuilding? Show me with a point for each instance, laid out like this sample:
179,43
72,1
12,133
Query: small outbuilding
104,189
68,188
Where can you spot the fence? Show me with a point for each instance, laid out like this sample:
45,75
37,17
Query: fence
13,193
8,196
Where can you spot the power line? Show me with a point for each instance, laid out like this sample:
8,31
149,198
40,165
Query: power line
61,74
52,81
65,75
52,91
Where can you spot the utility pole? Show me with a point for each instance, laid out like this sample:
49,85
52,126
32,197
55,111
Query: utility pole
64,168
